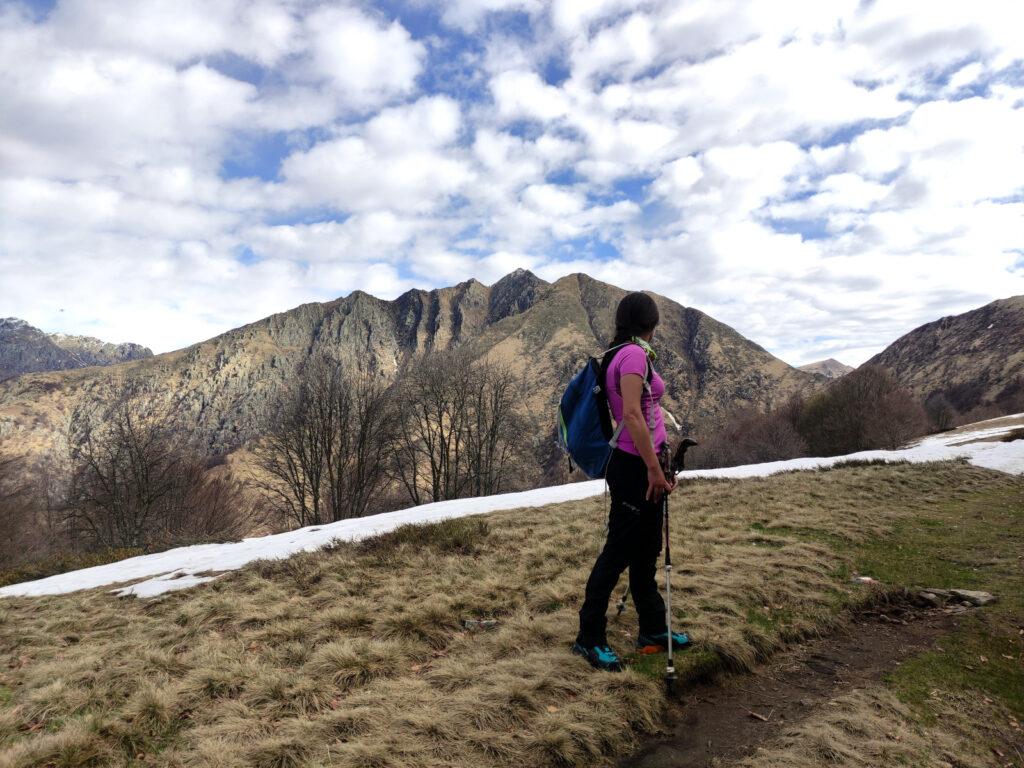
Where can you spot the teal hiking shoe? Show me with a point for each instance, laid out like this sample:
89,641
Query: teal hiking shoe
600,657
659,643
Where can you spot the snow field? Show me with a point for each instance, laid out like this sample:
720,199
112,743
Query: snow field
152,575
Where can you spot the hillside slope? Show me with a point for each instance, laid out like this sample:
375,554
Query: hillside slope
26,349
972,359
544,330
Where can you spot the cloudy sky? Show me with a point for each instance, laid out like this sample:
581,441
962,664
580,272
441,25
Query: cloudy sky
823,176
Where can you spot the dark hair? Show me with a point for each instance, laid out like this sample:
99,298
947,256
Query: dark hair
636,315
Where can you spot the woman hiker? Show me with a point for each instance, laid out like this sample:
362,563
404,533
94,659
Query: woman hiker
636,483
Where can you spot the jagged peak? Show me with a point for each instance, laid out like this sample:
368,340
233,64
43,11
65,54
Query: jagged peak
15,323
514,293
519,275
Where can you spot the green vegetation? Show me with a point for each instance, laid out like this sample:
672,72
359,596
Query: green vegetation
971,538
971,543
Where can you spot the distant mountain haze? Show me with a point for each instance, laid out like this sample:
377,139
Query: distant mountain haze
26,349
973,358
225,385
830,368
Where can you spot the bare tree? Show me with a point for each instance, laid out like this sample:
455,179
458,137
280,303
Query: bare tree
497,432
126,462
940,411
433,413
207,506
461,430
371,437
750,436
136,480
324,454
16,511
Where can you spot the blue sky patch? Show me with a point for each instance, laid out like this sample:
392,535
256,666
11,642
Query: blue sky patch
247,256
257,156
808,229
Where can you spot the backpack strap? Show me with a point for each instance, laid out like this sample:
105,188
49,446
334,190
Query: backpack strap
606,362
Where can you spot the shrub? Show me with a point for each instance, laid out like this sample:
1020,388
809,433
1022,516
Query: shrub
750,437
866,409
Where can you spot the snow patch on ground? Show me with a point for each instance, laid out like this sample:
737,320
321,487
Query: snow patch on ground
152,575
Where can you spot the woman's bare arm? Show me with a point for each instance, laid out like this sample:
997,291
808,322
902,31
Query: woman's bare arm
632,386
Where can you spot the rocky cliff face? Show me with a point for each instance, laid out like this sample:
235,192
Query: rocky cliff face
830,368
973,359
225,386
26,349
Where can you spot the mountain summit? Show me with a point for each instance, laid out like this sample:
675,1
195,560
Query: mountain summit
830,368
225,385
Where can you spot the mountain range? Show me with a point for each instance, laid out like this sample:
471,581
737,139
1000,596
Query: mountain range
226,385
544,331
26,349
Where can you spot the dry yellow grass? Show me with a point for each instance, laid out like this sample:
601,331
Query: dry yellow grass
873,728
357,656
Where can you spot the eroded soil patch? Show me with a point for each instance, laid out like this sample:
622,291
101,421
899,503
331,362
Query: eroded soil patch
732,717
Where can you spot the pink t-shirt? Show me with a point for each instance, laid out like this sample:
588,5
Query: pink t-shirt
633,359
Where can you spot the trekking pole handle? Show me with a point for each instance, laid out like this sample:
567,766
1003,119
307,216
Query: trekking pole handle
679,459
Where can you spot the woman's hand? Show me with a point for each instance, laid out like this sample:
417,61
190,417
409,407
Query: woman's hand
657,484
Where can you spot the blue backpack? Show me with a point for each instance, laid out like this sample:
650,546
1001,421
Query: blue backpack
585,431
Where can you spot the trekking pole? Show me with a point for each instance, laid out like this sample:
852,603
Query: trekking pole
673,466
677,466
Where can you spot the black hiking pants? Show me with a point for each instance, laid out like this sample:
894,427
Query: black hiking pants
634,542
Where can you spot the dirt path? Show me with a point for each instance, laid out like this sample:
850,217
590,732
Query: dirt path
730,718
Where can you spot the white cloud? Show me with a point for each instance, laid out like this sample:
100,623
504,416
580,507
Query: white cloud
817,175
366,61
572,17
403,160
525,95
377,236
553,200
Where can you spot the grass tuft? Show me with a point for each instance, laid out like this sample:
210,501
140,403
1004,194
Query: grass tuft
354,661
460,536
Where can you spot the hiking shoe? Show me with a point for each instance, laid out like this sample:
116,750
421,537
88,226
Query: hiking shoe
659,643
600,657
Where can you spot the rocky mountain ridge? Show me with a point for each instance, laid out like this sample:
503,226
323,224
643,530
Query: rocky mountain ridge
26,349
544,331
971,360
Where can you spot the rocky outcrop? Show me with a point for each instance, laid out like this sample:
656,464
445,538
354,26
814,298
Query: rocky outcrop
26,349
225,386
